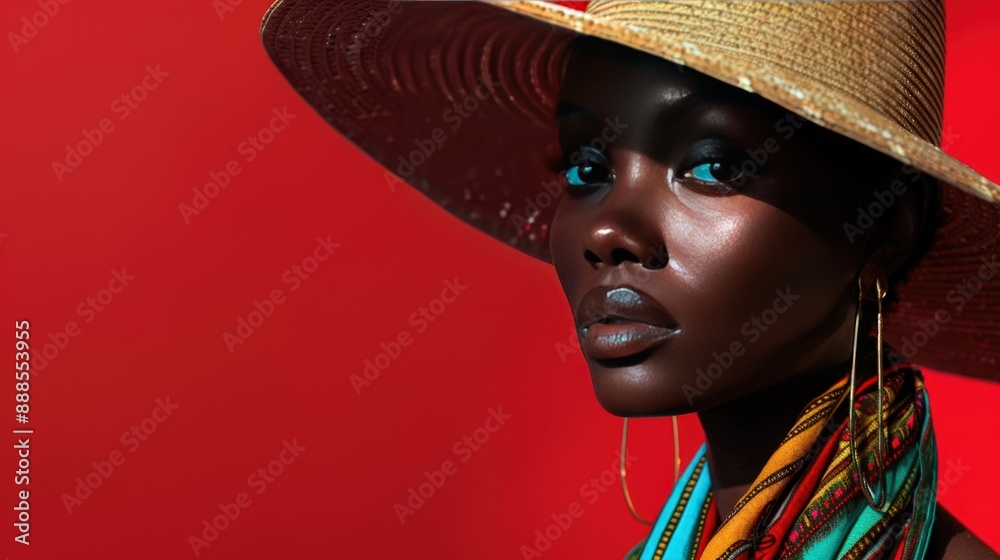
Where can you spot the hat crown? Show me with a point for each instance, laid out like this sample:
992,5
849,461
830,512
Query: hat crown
888,55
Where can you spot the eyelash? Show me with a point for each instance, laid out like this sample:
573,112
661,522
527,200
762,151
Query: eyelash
570,173
590,157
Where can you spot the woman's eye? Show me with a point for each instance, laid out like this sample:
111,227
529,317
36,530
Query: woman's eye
715,173
592,171
586,175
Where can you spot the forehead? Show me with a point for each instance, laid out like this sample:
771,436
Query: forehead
605,78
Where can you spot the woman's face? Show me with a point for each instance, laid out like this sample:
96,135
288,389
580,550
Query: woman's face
707,227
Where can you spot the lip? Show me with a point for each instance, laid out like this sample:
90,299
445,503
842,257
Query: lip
621,321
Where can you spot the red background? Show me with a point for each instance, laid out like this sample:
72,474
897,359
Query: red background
496,345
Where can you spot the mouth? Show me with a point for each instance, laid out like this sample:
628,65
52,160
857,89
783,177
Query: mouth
622,322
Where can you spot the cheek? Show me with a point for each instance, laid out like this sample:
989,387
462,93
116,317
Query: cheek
756,276
563,257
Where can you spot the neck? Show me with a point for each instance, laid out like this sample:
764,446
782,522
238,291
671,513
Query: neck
742,434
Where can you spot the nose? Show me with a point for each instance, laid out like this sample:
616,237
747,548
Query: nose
627,224
612,244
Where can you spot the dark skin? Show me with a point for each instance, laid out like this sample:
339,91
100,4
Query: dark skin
715,237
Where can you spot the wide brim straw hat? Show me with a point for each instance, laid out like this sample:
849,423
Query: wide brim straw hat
458,100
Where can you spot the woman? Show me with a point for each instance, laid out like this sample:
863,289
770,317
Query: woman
729,251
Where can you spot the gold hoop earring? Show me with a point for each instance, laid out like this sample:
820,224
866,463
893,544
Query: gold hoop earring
677,466
877,503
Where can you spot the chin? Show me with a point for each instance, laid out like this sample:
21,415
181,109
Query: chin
635,391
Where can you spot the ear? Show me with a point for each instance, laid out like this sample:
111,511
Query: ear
907,198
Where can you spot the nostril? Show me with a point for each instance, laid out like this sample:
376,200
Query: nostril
657,258
620,255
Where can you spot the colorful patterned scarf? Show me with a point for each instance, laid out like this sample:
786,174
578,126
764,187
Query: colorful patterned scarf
806,503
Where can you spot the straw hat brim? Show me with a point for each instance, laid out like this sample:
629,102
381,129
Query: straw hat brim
457,99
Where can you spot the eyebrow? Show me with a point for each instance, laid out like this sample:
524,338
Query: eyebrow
666,110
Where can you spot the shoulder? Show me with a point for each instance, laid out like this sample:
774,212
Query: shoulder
951,540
